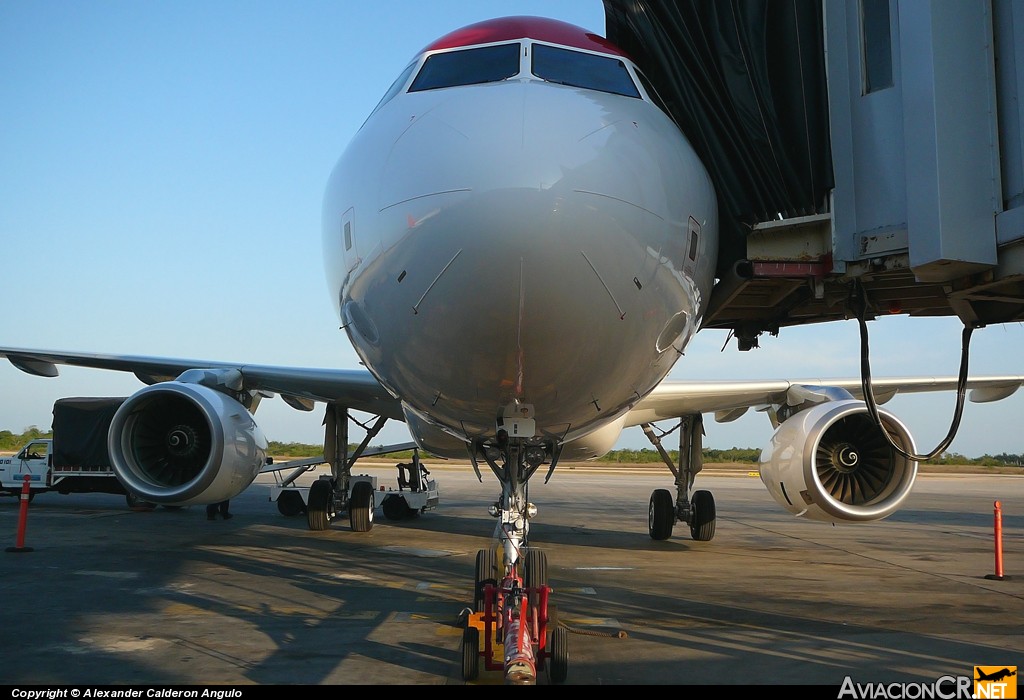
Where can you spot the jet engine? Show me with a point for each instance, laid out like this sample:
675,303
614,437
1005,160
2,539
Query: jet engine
178,443
831,462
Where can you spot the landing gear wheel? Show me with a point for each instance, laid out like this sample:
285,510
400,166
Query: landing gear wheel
661,514
360,507
536,573
486,572
395,508
470,653
558,664
702,526
320,507
290,503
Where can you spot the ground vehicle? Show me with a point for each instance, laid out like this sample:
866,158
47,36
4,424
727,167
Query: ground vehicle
513,628
75,460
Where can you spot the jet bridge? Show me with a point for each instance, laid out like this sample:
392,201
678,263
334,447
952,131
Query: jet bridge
867,155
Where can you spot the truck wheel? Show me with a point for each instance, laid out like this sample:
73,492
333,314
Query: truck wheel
290,503
470,653
558,664
395,508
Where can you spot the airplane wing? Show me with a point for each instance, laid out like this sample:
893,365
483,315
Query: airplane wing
358,389
729,400
297,386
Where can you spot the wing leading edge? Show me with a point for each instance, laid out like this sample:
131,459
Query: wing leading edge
298,386
728,400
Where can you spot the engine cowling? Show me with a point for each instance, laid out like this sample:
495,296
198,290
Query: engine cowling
832,463
595,444
177,443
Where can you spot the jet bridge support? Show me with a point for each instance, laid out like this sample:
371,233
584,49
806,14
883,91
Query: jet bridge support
697,511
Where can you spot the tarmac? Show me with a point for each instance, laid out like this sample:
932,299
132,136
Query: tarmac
109,596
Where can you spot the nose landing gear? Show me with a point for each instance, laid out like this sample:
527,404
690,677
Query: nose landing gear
514,628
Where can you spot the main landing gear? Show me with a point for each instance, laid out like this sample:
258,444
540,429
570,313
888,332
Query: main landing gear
512,627
697,511
340,492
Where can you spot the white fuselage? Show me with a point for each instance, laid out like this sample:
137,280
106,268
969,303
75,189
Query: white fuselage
519,242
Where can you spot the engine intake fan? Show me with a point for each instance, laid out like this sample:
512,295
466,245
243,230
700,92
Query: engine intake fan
831,462
182,443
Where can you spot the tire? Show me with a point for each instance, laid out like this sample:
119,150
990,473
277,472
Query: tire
486,572
661,514
320,508
558,664
702,526
290,503
395,508
470,653
535,574
360,507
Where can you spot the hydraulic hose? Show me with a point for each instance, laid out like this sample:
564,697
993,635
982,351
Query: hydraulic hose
869,398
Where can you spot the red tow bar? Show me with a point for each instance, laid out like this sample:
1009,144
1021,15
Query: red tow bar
26,493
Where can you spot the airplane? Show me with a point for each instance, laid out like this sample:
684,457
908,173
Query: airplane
519,244
996,675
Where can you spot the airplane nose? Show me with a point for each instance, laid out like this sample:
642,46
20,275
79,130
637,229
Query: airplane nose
535,219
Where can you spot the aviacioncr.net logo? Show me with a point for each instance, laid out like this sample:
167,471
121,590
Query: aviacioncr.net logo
944,688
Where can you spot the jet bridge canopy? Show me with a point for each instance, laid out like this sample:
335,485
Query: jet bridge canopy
881,154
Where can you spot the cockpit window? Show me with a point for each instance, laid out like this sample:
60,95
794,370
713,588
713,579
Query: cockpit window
584,70
396,86
653,94
487,64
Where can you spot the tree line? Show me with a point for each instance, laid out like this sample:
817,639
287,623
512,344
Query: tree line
12,442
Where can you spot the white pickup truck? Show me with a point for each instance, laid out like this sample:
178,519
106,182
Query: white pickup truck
75,460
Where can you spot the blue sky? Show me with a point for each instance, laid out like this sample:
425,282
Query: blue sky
163,165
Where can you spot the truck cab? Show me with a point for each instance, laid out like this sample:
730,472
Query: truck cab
34,460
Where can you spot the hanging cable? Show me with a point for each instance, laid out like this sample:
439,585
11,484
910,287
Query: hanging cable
869,398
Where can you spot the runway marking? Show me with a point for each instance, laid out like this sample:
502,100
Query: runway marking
445,619
605,568
109,574
590,622
344,576
582,590
413,551
426,585
276,609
